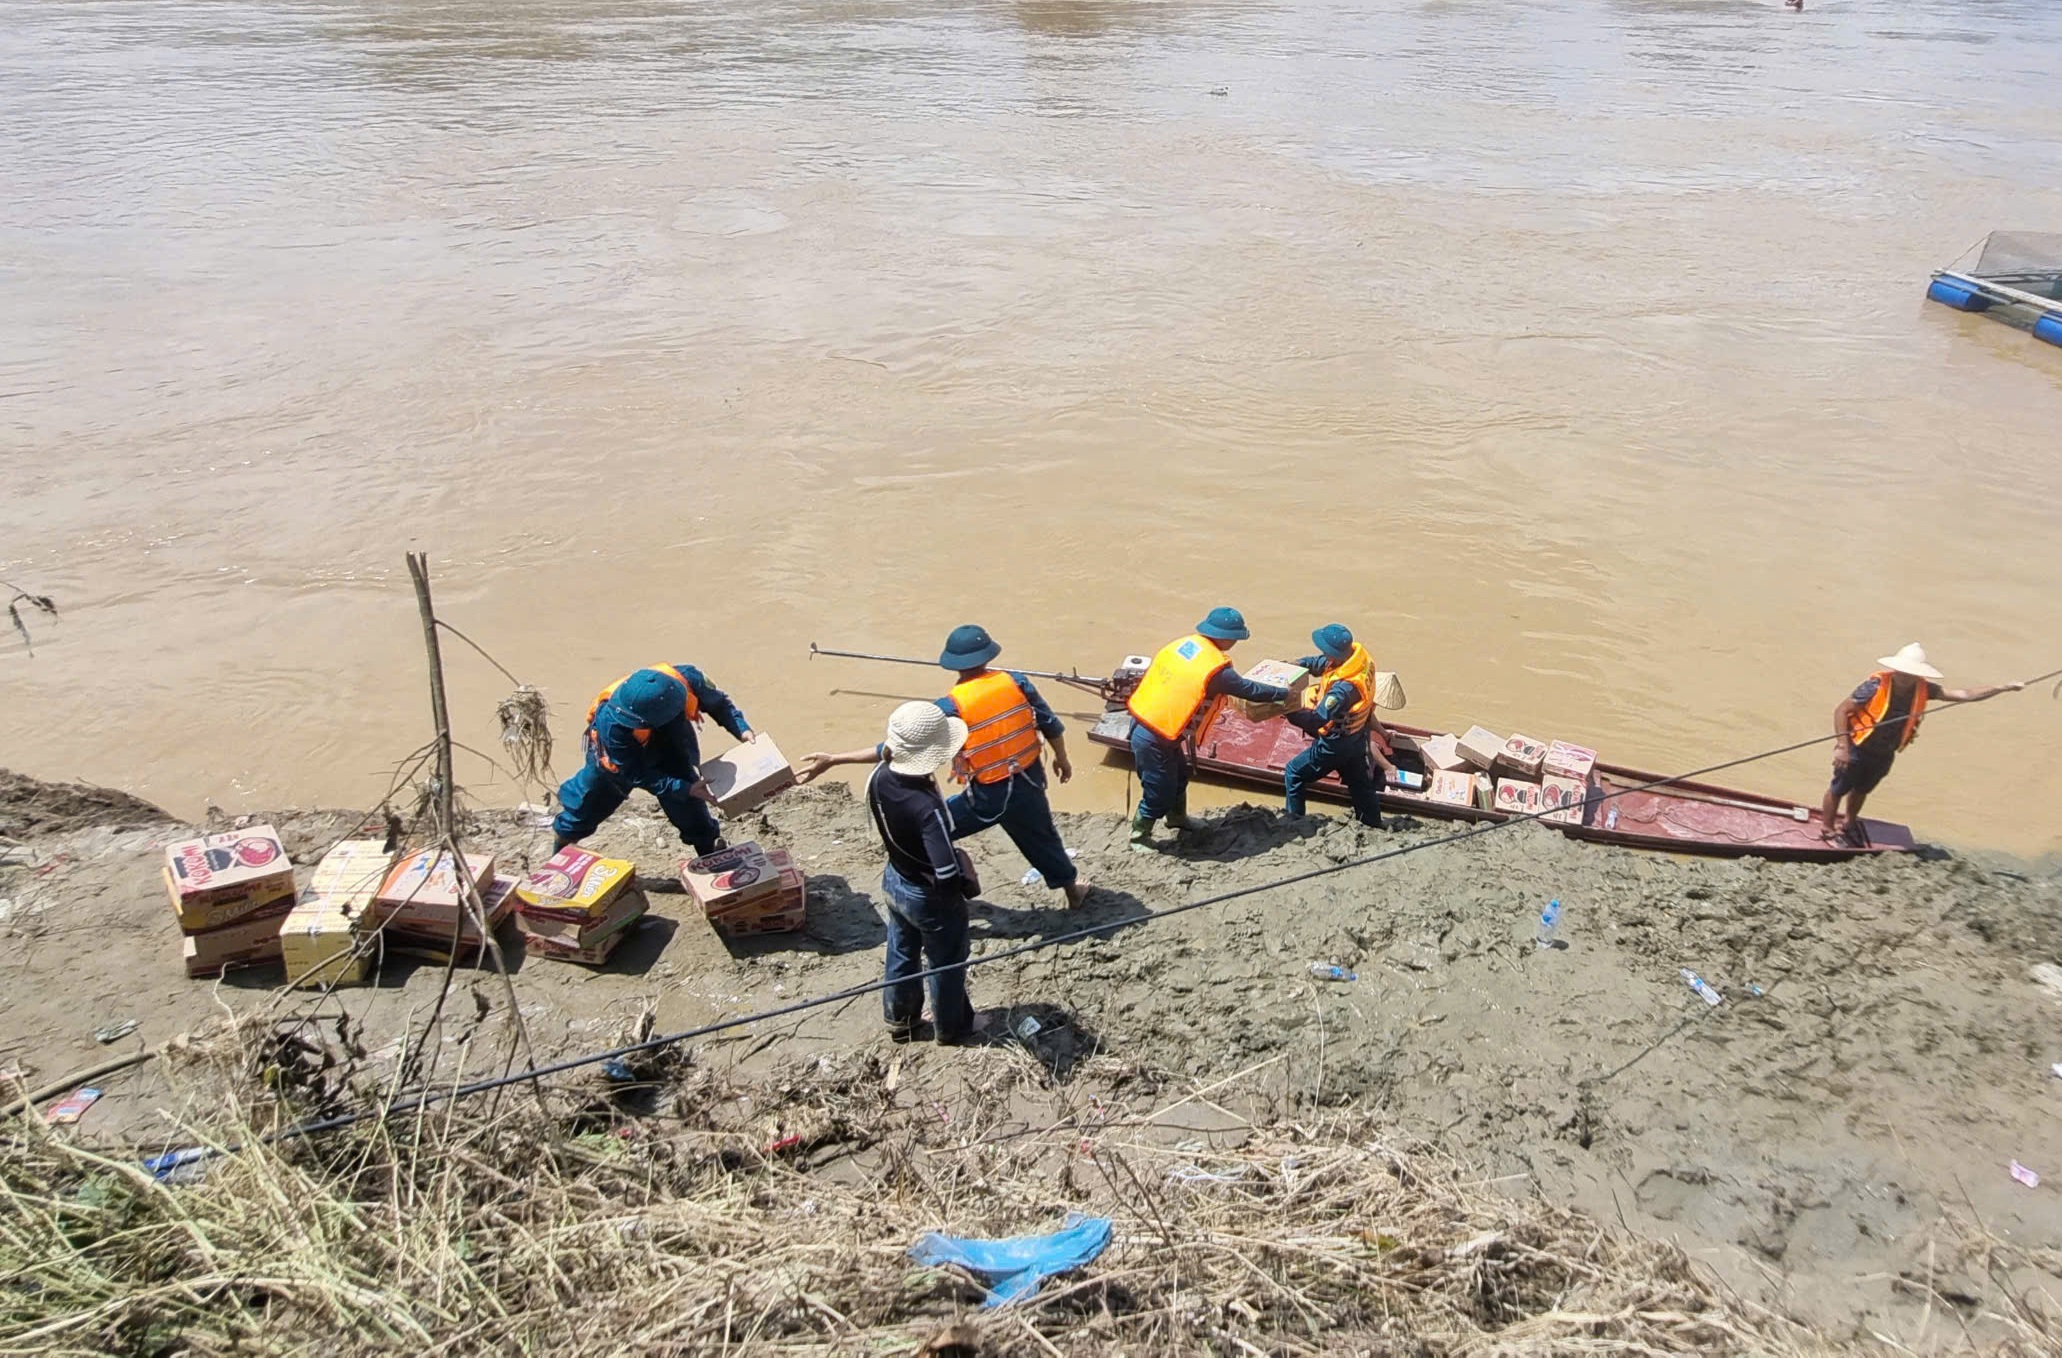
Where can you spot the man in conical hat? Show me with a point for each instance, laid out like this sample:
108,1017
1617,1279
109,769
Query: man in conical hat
1878,720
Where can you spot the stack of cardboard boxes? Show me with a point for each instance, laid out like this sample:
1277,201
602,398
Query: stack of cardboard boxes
420,910
748,890
228,893
1518,775
578,906
322,941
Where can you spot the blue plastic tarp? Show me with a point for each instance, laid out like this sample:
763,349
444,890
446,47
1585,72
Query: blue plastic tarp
1012,1269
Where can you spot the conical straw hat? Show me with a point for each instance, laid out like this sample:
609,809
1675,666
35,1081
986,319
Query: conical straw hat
1388,691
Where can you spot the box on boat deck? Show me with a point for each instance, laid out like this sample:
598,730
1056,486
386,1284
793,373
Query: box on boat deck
238,874
1480,747
1517,796
1407,780
574,887
248,942
1453,787
1281,674
1522,757
746,775
1570,761
1564,800
1443,752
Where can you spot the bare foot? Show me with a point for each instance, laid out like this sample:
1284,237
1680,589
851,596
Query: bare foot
1834,830
1077,895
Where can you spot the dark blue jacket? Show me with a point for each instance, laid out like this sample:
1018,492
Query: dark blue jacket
1336,700
672,761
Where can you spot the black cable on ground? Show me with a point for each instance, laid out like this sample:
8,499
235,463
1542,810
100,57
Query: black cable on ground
428,1097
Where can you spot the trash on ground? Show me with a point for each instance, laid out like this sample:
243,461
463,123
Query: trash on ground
114,1032
1029,1027
1331,971
1549,924
1192,1174
2025,1175
72,1108
1702,987
1012,1269
181,1166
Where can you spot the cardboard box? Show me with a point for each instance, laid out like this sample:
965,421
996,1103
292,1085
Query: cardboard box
1407,780
351,873
1479,747
427,882
732,876
592,945
785,911
584,931
1517,796
1485,792
1452,787
1565,800
320,945
234,875
743,777
245,943
575,887
1522,757
432,925
1570,761
1281,674
1443,753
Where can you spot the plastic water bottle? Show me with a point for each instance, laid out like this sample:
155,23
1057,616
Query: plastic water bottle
1330,971
1703,988
1611,819
1549,922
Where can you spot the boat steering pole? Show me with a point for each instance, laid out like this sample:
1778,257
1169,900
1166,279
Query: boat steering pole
1073,678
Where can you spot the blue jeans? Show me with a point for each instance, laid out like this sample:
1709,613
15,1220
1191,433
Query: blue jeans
1355,767
592,795
927,927
1163,774
1019,806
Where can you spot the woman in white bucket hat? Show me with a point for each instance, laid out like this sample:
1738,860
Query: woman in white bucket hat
926,883
1876,721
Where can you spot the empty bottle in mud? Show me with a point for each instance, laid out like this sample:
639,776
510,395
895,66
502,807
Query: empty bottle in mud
1549,924
1329,971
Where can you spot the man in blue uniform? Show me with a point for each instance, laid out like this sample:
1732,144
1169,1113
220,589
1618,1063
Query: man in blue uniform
1339,715
640,734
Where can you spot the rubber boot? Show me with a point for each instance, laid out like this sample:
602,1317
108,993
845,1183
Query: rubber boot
1178,818
1141,834
560,841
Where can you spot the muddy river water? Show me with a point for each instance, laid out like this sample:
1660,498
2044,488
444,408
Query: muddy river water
1574,353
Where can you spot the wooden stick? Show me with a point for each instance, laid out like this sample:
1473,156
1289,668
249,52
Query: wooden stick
74,1080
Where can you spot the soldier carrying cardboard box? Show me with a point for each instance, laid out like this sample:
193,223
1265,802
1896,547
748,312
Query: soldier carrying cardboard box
641,734
1339,716
1001,764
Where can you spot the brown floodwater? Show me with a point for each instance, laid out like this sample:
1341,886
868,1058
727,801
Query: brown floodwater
1573,353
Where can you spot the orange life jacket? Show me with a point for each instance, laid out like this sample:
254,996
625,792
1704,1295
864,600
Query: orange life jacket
693,712
1177,685
1357,669
1002,731
1865,718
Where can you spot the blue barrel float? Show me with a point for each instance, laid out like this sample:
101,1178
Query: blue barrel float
1947,292
2049,328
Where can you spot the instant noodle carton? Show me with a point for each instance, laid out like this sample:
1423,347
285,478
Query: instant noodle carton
747,890
1443,752
1565,800
1453,787
575,886
590,943
351,873
247,942
433,926
1570,761
784,911
427,889
743,777
239,874
1479,747
320,944
1522,756
1281,674
1517,796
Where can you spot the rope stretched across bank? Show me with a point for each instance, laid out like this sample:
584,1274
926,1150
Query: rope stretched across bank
425,1098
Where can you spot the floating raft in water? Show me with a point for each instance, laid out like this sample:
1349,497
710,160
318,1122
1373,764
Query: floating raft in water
1698,818
2017,272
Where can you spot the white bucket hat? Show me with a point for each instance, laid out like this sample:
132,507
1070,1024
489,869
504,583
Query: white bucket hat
922,740
1911,660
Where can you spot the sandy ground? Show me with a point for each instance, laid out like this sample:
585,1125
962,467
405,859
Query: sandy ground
1832,1145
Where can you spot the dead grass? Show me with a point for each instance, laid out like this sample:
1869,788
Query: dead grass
690,1211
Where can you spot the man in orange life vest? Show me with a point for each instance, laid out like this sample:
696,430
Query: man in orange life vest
1187,673
1876,721
1339,712
640,734
1000,763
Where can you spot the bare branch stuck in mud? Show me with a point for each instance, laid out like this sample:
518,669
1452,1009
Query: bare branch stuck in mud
39,603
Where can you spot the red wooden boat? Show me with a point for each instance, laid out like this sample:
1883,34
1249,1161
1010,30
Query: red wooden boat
1681,818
